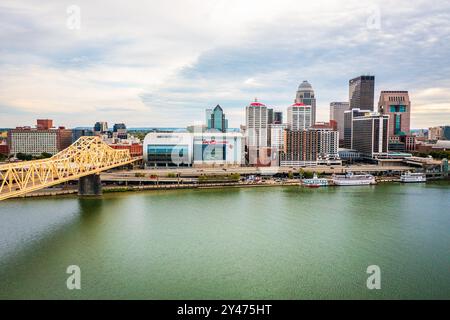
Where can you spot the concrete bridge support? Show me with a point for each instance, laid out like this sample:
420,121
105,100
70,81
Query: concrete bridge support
90,185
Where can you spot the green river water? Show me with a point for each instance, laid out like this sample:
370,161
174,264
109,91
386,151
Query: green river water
235,243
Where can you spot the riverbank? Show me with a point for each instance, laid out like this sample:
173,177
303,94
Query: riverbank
175,186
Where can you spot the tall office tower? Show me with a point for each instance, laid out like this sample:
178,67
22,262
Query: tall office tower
299,116
305,94
217,120
397,105
100,127
208,113
446,132
370,135
361,92
337,110
348,125
439,133
77,133
278,117
269,115
120,131
435,133
257,130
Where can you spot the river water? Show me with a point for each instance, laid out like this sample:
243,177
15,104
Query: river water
235,243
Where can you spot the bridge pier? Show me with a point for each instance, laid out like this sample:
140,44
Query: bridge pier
90,185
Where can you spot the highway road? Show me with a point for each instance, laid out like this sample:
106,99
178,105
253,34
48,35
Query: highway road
194,172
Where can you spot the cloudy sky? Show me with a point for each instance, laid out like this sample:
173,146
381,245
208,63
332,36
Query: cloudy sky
161,63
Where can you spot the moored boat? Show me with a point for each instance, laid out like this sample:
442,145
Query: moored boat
350,179
315,182
410,177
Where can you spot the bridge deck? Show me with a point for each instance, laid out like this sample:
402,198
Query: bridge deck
88,155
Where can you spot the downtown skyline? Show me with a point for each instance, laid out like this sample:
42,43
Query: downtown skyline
161,64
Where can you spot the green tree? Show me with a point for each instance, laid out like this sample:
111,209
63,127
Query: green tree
235,176
24,157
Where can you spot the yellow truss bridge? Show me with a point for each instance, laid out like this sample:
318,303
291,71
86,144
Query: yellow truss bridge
87,156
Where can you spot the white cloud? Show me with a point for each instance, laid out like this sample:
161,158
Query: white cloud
164,61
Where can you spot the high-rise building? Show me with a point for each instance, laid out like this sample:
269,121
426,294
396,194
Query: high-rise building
348,125
77,133
337,110
309,147
269,116
305,95
256,117
446,132
361,92
217,120
277,136
37,141
208,113
409,142
439,133
370,135
100,127
120,131
435,133
397,105
278,117
299,116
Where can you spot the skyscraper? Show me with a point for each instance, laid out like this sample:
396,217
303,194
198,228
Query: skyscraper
270,116
305,94
256,117
299,116
100,127
397,105
208,113
361,92
337,110
120,131
81,132
370,135
217,120
278,117
348,125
